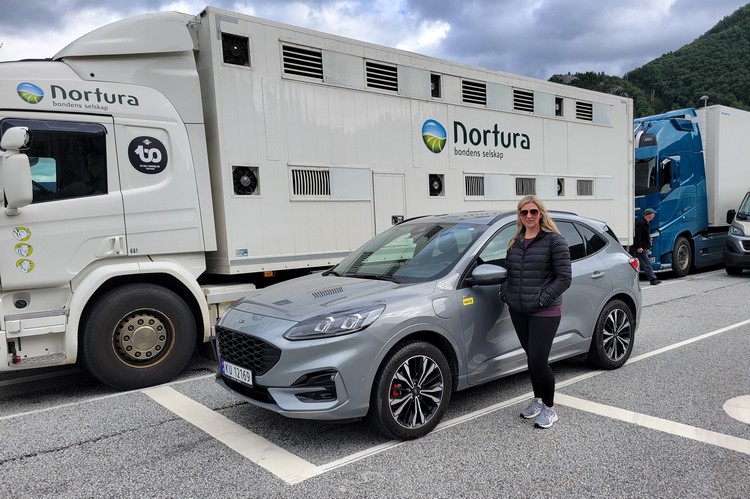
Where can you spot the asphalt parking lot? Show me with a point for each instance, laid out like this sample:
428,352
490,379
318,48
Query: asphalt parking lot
675,420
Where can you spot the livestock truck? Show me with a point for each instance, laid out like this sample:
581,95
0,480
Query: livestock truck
160,167
691,167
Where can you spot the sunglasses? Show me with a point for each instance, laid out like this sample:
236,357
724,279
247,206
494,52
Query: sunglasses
534,212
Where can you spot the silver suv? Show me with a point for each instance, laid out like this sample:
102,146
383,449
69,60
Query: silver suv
413,315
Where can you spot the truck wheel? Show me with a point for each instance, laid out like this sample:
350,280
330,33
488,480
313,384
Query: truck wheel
137,335
733,270
411,392
612,340
682,257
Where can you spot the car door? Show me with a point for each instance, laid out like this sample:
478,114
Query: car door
592,282
492,347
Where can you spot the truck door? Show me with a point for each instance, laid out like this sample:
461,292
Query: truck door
389,198
76,216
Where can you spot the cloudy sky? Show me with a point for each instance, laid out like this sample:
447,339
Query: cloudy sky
536,38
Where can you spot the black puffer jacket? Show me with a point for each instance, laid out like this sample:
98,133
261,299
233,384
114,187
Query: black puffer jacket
537,274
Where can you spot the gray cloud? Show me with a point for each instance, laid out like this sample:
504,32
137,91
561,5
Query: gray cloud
535,38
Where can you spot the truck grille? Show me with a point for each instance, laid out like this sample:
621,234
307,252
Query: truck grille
246,351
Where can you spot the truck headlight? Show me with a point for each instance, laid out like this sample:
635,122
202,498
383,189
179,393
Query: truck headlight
335,324
736,231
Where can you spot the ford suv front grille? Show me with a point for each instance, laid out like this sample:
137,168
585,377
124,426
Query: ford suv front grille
246,351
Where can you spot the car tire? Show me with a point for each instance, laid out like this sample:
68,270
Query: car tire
612,340
162,343
411,391
682,257
733,270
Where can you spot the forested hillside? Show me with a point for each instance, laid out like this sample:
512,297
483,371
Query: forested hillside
716,65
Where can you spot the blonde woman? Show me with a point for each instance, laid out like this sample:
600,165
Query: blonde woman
538,264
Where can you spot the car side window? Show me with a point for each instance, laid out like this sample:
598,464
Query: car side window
67,159
574,239
497,248
594,242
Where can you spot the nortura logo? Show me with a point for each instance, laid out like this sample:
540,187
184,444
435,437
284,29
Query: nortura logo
30,92
434,135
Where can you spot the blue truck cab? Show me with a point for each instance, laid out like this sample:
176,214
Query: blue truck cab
670,177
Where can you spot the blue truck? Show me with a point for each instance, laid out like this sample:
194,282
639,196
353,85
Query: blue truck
691,166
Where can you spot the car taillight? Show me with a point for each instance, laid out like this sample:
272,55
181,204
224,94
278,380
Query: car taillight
634,263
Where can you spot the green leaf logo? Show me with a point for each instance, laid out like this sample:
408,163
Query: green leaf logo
30,93
434,135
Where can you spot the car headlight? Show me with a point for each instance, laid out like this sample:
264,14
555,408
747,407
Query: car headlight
336,324
736,231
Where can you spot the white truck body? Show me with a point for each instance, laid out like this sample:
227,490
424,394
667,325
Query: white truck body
726,149
235,146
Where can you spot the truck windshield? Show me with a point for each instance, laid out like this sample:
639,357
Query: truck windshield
744,210
645,176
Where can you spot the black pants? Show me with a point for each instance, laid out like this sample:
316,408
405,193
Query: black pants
536,335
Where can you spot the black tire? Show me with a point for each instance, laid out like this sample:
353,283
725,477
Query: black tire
399,407
161,344
612,340
682,257
733,270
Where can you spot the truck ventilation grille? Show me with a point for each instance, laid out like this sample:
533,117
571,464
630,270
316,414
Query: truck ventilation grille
474,92
382,76
523,100
474,185
525,186
309,182
305,62
235,49
585,111
585,187
245,180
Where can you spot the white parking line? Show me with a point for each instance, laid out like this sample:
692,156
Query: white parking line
664,425
283,464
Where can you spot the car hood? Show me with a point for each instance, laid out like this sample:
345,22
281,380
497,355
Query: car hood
309,296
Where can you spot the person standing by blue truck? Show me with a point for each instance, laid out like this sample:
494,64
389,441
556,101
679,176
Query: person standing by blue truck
641,248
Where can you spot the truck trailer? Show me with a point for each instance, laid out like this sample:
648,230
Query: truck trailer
690,166
162,166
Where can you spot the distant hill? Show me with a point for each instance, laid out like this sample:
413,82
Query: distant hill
717,64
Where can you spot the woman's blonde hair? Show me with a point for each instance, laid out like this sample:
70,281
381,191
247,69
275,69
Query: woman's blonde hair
545,222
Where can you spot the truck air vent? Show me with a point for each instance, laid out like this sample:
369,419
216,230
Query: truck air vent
474,92
584,111
382,76
561,187
301,61
311,182
585,187
245,180
474,185
523,100
235,49
436,185
525,186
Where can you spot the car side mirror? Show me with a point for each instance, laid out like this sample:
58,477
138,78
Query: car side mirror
730,215
487,274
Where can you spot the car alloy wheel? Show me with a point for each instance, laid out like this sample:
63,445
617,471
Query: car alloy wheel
612,340
411,392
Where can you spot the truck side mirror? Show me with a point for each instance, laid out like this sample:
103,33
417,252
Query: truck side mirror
730,215
16,170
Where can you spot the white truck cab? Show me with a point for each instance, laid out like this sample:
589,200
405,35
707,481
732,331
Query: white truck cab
737,245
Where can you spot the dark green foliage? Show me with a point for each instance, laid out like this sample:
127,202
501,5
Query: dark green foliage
717,64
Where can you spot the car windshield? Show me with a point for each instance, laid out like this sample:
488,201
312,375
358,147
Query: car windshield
411,252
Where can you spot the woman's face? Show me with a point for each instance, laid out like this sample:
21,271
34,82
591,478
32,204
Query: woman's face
529,215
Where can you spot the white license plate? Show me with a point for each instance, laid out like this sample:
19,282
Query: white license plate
237,373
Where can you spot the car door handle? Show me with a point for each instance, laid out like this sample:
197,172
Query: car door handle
598,274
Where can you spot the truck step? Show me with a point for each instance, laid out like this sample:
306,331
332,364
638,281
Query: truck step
53,359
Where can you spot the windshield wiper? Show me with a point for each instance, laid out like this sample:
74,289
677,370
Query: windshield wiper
331,271
377,277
